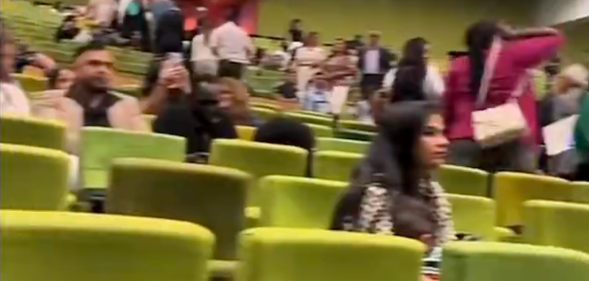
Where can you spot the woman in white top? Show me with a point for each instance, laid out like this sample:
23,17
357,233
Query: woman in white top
203,59
12,98
414,71
306,61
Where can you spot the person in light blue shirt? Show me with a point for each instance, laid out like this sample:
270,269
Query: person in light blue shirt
317,97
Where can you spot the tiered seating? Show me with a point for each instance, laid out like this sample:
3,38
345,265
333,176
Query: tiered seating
33,132
248,184
335,165
213,197
299,202
36,26
44,246
341,145
474,215
557,224
33,178
513,189
270,254
485,261
99,146
463,180
258,159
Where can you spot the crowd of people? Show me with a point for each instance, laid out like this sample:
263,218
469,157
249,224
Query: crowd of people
423,119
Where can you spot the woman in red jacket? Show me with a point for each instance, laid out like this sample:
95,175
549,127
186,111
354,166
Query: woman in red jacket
520,51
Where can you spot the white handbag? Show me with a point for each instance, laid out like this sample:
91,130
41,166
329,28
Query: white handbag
501,124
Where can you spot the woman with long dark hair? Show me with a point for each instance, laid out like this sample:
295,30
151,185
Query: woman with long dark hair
414,75
409,147
515,53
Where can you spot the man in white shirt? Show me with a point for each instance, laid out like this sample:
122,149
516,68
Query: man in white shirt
233,47
374,62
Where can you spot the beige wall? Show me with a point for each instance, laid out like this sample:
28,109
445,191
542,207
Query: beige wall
442,22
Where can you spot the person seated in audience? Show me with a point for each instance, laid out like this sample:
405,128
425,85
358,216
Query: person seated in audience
13,99
185,109
90,100
60,79
317,97
286,131
26,57
68,29
287,89
233,97
399,166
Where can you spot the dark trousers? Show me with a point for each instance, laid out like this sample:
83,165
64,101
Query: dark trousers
230,69
582,172
370,83
514,156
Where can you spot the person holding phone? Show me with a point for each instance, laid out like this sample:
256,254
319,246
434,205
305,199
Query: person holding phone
184,108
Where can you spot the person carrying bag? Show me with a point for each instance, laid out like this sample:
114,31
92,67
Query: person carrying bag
489,105
500,124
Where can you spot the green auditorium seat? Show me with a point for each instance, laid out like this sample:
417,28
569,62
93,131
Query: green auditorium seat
581,192
310,119
557,224
271,254
492,261
335,165
213,197
354,134
513,189
267,105
342,145
101,145
473,215
313,113
58,246
258,159
357,125
463,180
246,132
30,83
264,113
32,132
321,131
299,202
33,178
263,84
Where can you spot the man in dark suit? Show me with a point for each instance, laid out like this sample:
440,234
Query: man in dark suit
374,62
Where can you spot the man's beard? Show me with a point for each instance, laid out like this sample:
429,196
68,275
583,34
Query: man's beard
98,84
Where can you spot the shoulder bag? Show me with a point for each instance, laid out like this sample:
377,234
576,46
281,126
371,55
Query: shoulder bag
500,124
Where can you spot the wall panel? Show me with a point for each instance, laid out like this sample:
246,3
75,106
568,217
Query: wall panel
442,22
